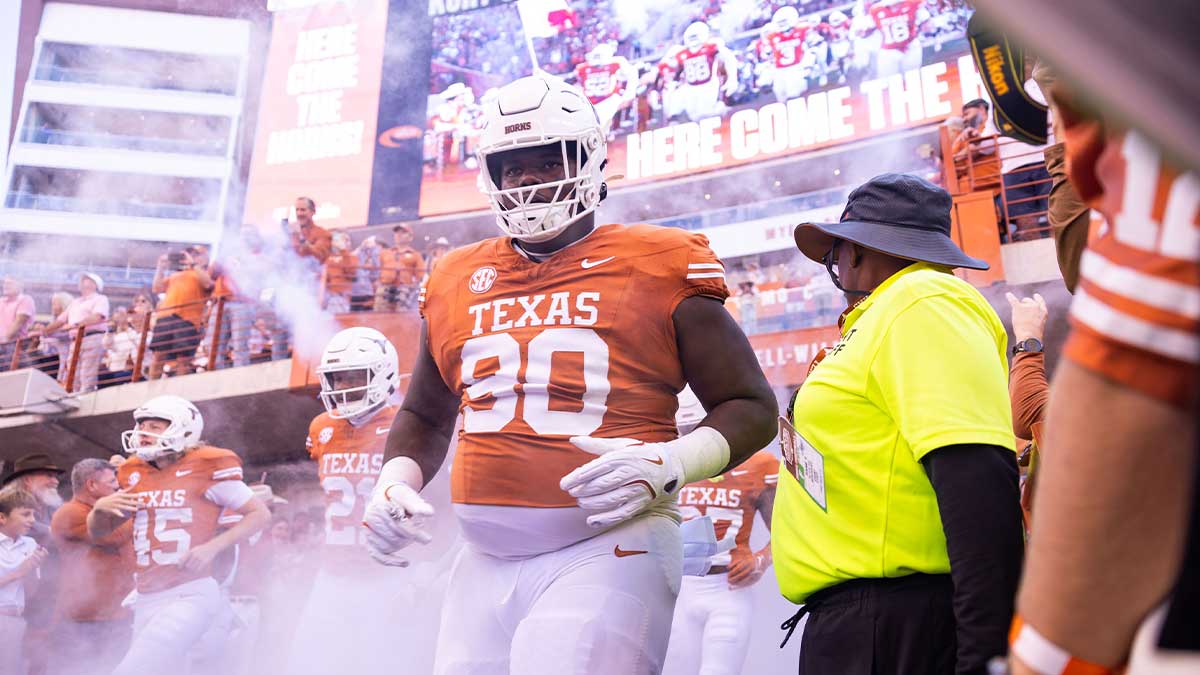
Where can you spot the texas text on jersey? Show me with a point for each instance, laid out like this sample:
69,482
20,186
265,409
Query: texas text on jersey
178,509
898,21
581,344
348,460
731,500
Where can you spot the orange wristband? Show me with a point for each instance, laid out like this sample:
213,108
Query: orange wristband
1045,657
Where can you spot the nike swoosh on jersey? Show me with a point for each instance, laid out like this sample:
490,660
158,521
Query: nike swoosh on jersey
589,264
622,554
379,431
181,474
656,460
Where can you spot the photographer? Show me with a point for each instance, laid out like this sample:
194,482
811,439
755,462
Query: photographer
975,147
183,276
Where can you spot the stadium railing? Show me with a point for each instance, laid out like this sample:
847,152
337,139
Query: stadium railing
1021,193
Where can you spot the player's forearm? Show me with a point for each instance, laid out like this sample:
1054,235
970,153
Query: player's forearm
423,440
748,424
253,520
1111,515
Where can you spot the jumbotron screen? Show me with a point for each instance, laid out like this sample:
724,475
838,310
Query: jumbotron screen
682,87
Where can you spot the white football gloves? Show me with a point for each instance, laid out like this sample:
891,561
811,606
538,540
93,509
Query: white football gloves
630,476
395,513
700,545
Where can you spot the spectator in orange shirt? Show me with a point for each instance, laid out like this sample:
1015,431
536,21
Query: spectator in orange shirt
177,327
308,239
977,158
402,269
92,629
340,270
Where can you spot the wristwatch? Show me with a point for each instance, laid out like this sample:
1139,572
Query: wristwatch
1028,346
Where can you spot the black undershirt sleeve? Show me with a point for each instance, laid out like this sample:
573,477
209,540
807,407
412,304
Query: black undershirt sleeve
977,488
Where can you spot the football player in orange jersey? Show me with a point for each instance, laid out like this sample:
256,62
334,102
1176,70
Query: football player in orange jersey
562,341
709,634
176,488
359,375
695,62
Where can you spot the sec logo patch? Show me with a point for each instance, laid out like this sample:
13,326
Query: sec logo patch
325,435
482,280
134,478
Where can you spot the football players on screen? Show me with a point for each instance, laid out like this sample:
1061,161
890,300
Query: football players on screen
706,70
175,487
564,345
359,375
710,632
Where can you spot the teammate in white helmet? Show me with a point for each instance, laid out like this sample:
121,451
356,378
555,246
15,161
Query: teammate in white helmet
351,595
173,490
900,24
564,344
609,81
794,52
709,635
707,72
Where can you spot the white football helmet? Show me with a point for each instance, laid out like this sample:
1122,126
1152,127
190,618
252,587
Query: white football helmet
696,35
185,426
601,54
534,111
786,18
454,91
365,349
690,412
838,19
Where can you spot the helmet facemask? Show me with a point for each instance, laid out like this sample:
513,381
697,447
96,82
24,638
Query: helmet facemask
168,442
520,211
357,398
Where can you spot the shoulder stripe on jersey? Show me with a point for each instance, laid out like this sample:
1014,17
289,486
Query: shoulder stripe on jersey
705,266
232,472
1123,327
1164,294
230,519
706,275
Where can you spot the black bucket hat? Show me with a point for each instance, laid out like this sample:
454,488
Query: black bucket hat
893,213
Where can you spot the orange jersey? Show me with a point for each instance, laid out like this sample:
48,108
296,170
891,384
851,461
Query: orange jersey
348,461
698,66
1136,313
178,509
731,500
581,344
599,82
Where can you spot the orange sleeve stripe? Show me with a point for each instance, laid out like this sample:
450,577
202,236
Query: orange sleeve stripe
1147,265
1138,308
1127,328
1153,375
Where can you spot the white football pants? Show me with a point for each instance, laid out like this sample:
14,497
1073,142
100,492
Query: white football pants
790,83
602,606
698,101
897,62
352,623
711,631
167,624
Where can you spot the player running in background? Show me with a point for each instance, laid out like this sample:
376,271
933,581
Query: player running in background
837,28
451,125
709,634
609,82
900,24
564,345
175,488
795,57
351,595
696,65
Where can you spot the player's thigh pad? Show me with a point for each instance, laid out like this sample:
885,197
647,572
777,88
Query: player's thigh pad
604,613
168,624
727,631
476,632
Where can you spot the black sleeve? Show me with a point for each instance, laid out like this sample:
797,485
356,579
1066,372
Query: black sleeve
980,505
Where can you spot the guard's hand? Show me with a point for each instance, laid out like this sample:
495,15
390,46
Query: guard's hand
627,478
1028,316
394,519
120,504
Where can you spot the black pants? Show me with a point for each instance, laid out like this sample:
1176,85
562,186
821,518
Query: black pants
881,627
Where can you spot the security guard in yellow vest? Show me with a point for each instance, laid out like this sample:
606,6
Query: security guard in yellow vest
898,519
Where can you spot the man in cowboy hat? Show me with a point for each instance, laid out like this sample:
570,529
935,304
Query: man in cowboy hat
898,521
38,475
